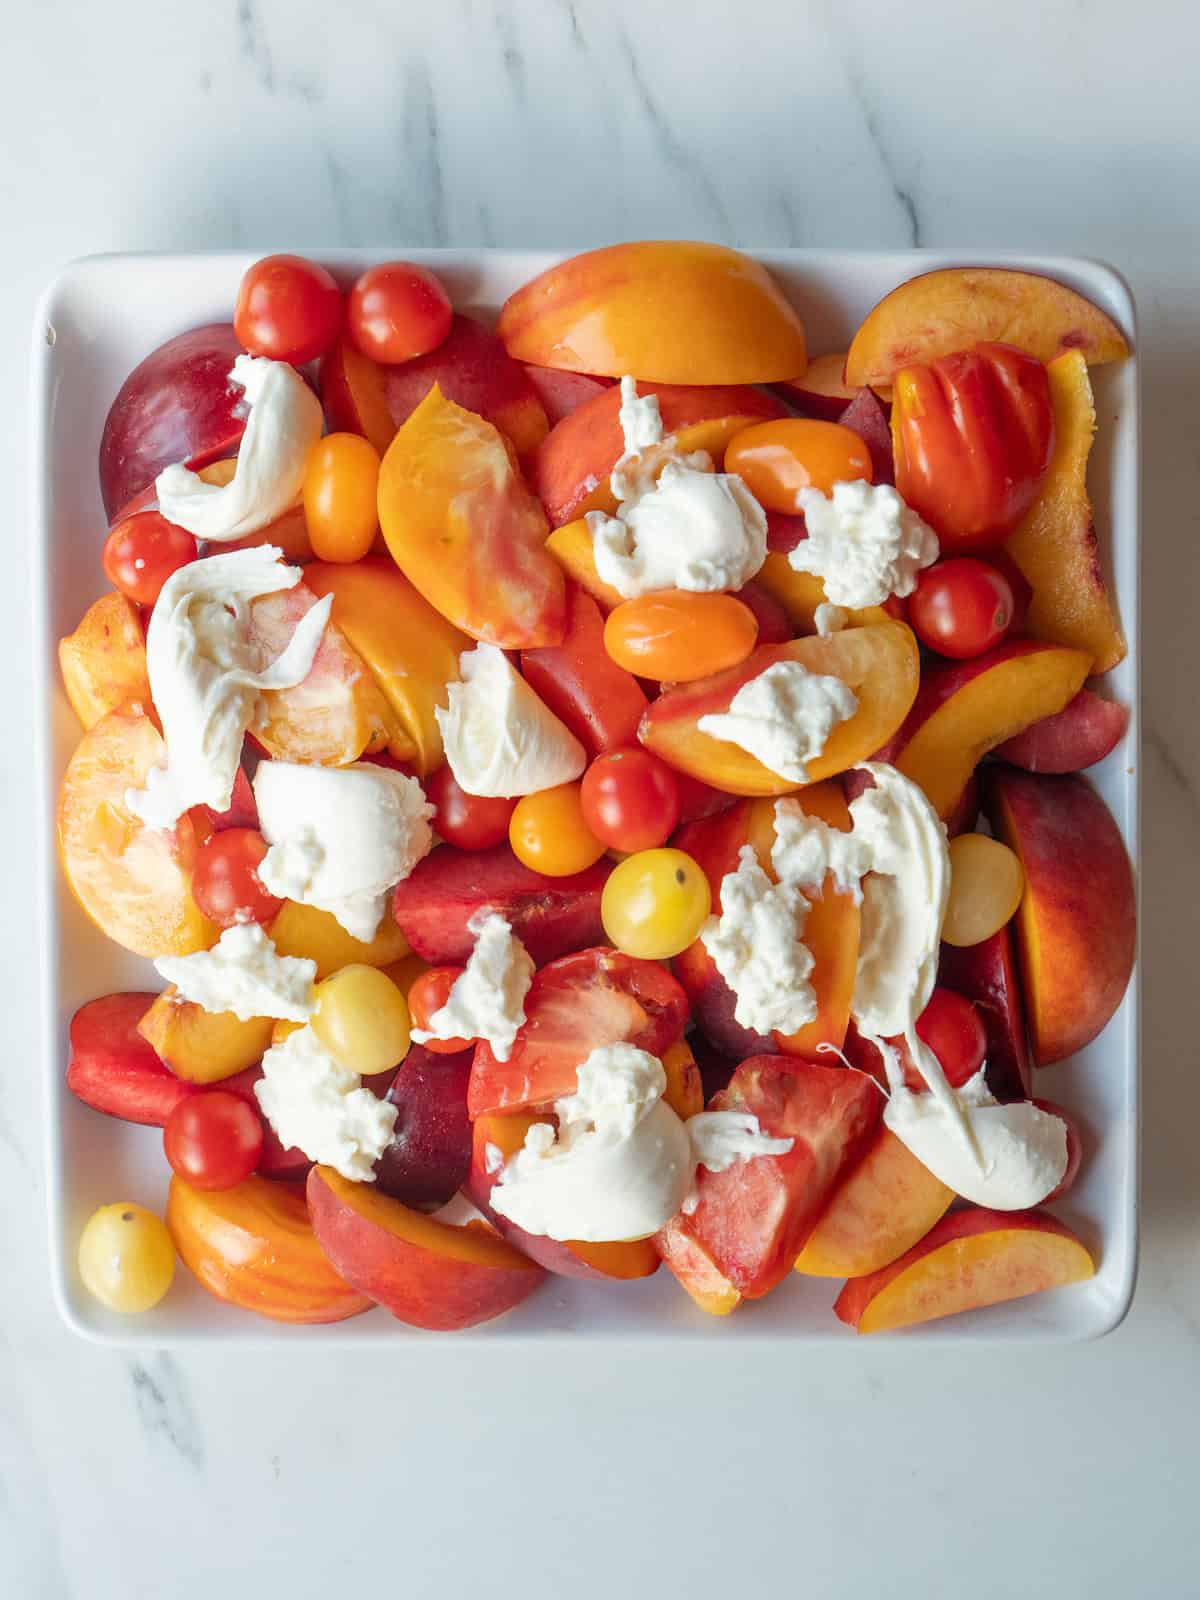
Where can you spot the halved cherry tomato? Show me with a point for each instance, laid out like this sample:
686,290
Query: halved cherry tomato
779,459
598,699
213,1140
548,832
972,435
630,799
341,493
225,882
674,636
142,552
288,308
574,1005
467,821
398,311
428,994
953,1029
961,607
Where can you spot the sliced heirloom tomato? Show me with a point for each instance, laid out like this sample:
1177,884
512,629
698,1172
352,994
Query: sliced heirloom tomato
463,526
103,663
574,1005
599,700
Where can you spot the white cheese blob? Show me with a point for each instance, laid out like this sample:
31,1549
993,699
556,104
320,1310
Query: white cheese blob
720,1139
487,1000
830,619
619,1165
756,945
206,675
806,850
285,422
320,1107
784,717
244,974
863,542
501,738
341,838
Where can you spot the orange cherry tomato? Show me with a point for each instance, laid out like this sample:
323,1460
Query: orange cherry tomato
778,459
548,832
428,994
675,637
341,486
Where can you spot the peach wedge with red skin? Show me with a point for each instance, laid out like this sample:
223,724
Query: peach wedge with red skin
971,1259
668,311
203,1046
822,392
1087,729
1077,922
940,312
103,663
986,973
352,391
879,663
426,1273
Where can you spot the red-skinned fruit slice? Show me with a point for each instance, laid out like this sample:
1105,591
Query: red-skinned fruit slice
774,624
563,392
114,1070
599,701
866,416
426,1162
1086,730
986,973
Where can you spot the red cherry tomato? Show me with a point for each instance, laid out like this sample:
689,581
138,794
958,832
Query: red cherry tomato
467,821
288,308
428,994
225,881
398,311
142,552
630,800
961,608
213,1140
953,1029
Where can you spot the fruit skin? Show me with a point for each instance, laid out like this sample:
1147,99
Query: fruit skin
866,416
598,700
103,663
753,1219
254,1247
570,468
444,891
1077,923
879,662
563,392
318,936
939,312
352,391
774,624
820,392
986,974
340,495
971,1258
126,1258
426,1162
114,1070
666,311
424,1272
1086,730
176,405
202,1046
225,883
695,1269
967,708
1055,546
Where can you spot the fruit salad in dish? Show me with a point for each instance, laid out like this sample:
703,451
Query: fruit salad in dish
602,792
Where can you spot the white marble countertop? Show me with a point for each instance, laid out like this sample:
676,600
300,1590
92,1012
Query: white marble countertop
962,1471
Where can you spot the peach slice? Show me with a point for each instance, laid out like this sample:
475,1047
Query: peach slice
970,1259
696,1270
1077,921
1055,547
600,702
313,935
426,1273
103,663
203,1046
881,1209
571,547
571,467
800,593
253,1246
668,311
822,392
467,532
940,312
1086,730
563,392
352,391
411,650
880,663
967,708
134,882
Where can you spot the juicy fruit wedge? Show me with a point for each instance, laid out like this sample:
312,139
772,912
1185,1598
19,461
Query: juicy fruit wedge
571,546
880,663
253,1246
203,1046
426,1162
821,392
967,708
1086,730
134,882
103,662
940,312
313,935
696,1270
664,311
563,392
114,1070
466,531
1077,922
1055,546
352,391
970,1259
800,593
986,974
599,701
426,1273
410,649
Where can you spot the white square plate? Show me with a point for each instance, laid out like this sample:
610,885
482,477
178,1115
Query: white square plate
95,322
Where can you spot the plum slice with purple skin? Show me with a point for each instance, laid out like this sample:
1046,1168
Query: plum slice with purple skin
426,1163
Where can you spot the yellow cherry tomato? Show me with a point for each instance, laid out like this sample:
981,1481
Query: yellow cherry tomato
674,636
986,885
341,485
547,832
778,459
655,903
362,1019
126,1258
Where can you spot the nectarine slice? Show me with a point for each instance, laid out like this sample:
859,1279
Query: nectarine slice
970,1259
203,1046
956,307
313,935
880,663
696,1270
103,662
822,392
353,394
1086,730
